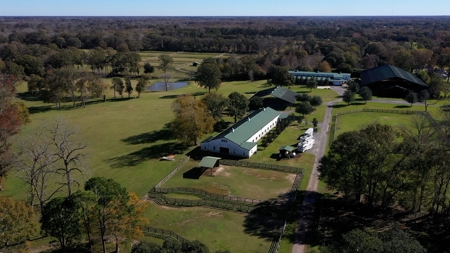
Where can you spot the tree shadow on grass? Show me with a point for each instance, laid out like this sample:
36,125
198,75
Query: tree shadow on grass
152,152
220,126
267,219
28,96
445,108
118,99
402,106
150,137
198,93
39,109
338,105
333,217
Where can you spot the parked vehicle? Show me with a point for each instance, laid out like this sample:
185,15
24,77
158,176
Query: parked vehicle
306,145
309,134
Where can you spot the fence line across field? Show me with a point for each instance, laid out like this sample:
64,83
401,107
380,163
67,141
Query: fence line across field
266,166
166,178
230,205
164,232
204,193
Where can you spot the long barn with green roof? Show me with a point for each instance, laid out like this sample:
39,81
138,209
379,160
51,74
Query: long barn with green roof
241,138
332,78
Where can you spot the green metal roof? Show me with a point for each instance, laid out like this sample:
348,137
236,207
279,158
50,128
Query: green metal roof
284,115
288,148
330,75
209,161
248,145
279,92
385,72
241,131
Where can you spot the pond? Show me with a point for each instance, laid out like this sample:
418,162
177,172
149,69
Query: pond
160,86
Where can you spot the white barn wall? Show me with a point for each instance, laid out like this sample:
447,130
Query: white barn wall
263,131
235,149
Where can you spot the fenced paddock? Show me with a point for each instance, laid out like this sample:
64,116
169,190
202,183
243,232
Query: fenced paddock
206,195
224,205
223,201
265,166
356,119
260,184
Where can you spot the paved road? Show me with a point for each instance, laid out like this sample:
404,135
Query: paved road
307,209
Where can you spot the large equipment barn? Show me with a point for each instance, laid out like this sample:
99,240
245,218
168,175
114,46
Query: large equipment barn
390,81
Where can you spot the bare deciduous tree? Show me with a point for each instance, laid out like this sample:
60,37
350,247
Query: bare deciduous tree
36,167
166,77
68,151
47,153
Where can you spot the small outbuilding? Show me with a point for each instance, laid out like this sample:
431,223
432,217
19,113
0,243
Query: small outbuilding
287,152
209,162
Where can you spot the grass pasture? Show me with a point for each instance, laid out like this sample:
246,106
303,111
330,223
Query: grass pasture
288,137
228,180
127,137
358,120
218,229
181,60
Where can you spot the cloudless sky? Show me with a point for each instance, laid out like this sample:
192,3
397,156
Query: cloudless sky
224,7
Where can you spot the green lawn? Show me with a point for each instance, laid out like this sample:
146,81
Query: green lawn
356,121
182,196
218,229
228,180
288,137
125,137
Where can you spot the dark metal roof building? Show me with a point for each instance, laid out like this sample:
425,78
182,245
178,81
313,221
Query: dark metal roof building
391,81
279,92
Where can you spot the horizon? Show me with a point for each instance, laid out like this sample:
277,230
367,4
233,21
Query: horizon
230,8
232,16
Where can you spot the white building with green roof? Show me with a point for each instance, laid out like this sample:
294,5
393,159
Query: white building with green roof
333,78
241,138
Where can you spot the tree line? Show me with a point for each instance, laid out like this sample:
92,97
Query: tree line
325,44
81,222
384,167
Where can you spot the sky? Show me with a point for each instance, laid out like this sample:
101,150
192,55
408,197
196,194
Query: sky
224,8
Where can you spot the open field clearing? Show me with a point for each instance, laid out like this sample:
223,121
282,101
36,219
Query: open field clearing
126,137
216,228
236,181
356,121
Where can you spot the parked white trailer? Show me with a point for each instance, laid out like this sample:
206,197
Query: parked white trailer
309,134
306,145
